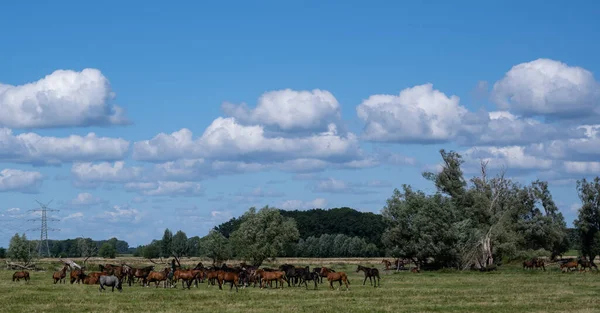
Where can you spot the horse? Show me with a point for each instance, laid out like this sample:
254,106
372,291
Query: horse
307,275
142,273
60,275
527,264
157,277
318,271
370,273
186,276
567,266
586,264
277,276
338,276
77,275
537,263
229,277
387,264
110,281
21,274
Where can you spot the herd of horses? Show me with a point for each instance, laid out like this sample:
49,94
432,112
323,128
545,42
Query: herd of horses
243,275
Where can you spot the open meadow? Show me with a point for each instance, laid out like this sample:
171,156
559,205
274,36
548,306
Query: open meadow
510,289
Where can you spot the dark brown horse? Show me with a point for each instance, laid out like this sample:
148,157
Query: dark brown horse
60,275
538,263
371,273
584,263
17,276
142,273
337,276
527,264
77,275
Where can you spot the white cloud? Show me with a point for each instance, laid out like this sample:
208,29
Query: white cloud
20,181
549,88
417,114
261,193
332,185
62,99
166,188
582,168
303,205
86,199
74,216
105,172
513,157
289,110
33,148
122,214
226,139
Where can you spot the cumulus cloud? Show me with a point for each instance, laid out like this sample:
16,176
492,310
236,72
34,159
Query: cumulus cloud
122,214
417,114
545,87
20,181
514,157
332,185
261,193
289,110
227,140
74,216
166,188
36,149
86,199
64,98
89,174
318,203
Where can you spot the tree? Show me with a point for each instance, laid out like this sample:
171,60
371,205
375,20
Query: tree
2,253
216,247
194,246
87,248
19,249
107,251
419,227
152,251
179,245
263,234
588,218
166,244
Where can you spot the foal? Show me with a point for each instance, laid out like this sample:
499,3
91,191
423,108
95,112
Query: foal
338,276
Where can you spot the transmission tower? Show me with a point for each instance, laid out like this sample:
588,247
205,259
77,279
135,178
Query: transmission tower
43,247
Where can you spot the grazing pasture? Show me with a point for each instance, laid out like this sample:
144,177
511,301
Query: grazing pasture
509,289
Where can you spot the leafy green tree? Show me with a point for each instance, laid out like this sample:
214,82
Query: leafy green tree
179,244
152,250
2,253
420,227
107,251
19,249
588,218
263,234
166,244
216,247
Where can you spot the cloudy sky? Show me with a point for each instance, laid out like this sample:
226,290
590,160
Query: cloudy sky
133,118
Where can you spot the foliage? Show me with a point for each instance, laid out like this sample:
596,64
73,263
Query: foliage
152,250
216,247
588,218
2,253
19,249
263,234
166,244
335,246
179,244
107,251
193,246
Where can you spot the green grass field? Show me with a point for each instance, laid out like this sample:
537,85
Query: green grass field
510,289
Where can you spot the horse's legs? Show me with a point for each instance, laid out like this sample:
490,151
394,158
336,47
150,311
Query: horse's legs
364,281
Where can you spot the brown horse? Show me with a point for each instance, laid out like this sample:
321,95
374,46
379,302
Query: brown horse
371,273
537,263
186,276
586,264
77,275
142,273
157,277
387,264
527,264
568,266
228,277
268,277
337,276
60,275
21,274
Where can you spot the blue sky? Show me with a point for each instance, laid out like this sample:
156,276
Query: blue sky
199,111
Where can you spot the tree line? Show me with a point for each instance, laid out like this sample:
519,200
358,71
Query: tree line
479,222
